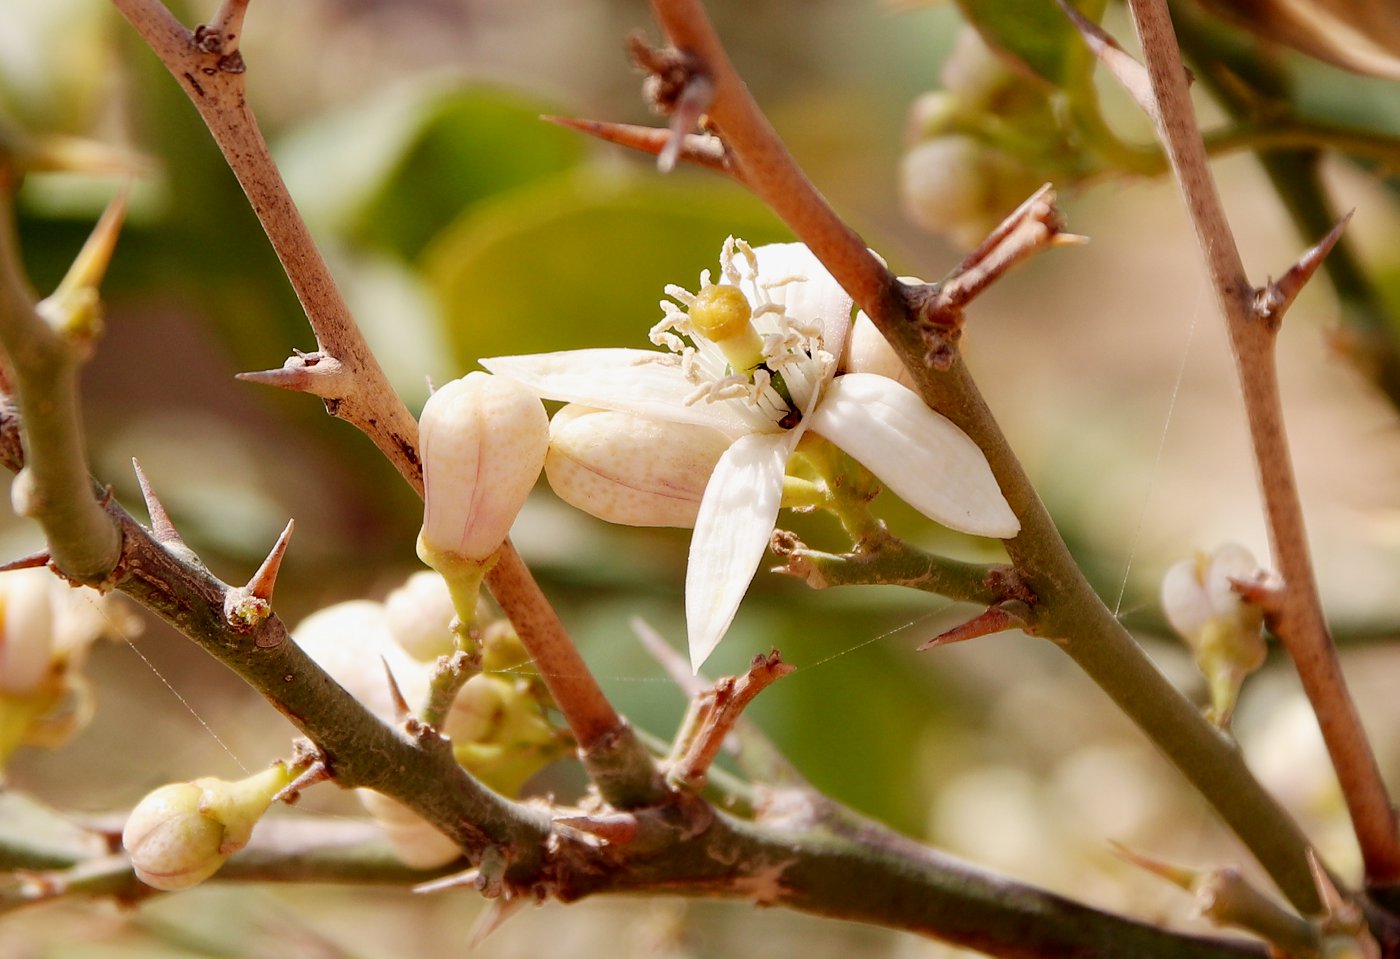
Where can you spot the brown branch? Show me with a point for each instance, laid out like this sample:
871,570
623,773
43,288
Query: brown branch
1300,623
768,169
209,67
719,709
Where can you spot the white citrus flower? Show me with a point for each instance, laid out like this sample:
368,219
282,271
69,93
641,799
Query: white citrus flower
754,356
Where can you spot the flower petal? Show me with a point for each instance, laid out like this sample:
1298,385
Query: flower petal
644,382
819,300
926,460
735,523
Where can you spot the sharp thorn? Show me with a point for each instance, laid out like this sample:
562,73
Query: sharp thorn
313,373
264,581
467,877
703,150
31,561
994,620
402,712
616,829
1177,875
1271,302
1127,71
310,776
161,528
491,918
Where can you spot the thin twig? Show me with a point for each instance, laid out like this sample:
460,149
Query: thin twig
725,703
1300,624
345,373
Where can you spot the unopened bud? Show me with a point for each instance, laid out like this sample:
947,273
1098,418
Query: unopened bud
867,351
351,641
483,441
181,834
629,469
1224,631
415,841
960,187
26,631
419,615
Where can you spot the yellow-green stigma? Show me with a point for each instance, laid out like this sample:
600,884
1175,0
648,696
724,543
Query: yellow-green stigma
721,314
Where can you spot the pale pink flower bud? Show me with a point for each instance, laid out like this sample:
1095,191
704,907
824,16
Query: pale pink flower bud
483,440
629,469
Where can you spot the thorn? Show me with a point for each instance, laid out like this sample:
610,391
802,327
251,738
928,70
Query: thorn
495,914
317,772
32,561
701,149
1177,875
1335,907
996,619
265,579
1266,592
74,308
402,713
616,829
676,666
1127,71
467,877
161,528
314,373
1275,297
690,107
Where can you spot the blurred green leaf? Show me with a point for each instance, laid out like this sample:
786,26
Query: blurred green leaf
582,260
394,171
1034,32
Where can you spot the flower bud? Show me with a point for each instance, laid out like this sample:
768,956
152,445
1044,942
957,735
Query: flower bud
26,631
483,442
414,840
1223,630
419,616
960,187
867,351
180,834
630,470
351,641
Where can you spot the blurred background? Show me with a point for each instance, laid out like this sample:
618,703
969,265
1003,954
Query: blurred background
462,226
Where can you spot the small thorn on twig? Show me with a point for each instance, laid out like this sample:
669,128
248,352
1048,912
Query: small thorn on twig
616,829
402,712
1273,299
264,581
31,561
458,880
701,149
719,709
491,918
996,619
314,373
1177,875
315,773
161,527
1127,71
1266,592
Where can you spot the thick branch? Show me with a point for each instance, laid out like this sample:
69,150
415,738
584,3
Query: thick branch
1301,624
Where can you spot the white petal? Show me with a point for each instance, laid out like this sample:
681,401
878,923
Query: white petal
732,531
644,382
820,299
921,456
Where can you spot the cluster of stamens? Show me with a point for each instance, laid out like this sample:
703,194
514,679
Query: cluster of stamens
736,344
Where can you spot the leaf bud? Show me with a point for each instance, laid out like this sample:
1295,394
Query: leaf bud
629,469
